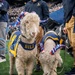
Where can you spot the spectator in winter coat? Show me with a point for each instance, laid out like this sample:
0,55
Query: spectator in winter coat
38,6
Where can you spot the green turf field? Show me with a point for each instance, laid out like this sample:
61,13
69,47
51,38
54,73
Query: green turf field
67,64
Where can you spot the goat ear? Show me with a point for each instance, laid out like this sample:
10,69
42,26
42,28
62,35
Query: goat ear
38,29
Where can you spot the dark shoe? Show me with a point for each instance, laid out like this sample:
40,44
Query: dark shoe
72,72
38,68
2,58
69,50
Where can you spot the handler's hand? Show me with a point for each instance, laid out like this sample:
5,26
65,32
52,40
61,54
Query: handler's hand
65,30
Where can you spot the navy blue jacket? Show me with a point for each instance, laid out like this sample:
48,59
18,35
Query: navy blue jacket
69,9
4,6
40,7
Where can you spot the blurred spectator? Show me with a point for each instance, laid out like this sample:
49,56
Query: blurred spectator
4,6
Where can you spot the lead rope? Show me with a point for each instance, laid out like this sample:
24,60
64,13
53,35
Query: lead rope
65,51
63,65
53,52
63,60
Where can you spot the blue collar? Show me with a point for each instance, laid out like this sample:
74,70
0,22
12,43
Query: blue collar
27,46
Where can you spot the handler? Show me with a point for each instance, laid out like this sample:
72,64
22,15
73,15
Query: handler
69,15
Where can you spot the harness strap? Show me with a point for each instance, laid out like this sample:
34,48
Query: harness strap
15,48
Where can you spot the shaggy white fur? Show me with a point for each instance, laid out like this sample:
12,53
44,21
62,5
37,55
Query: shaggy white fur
25,59
50,62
